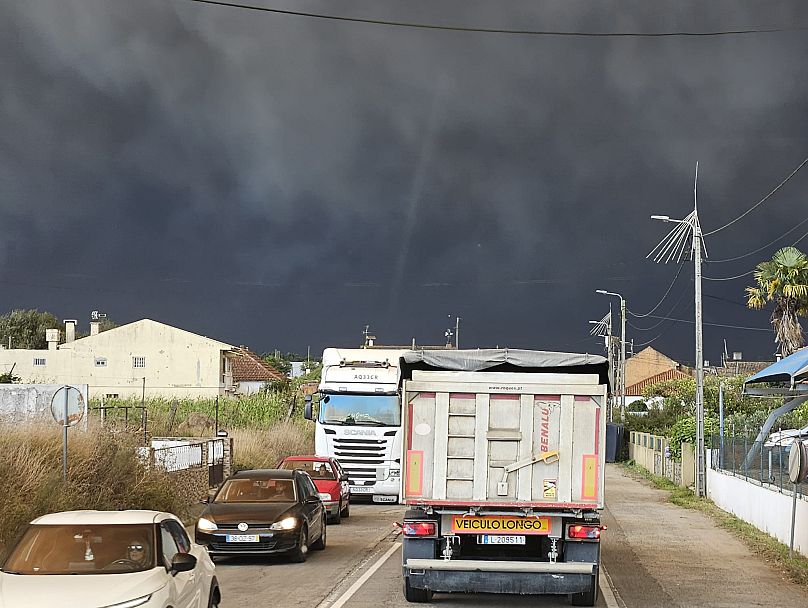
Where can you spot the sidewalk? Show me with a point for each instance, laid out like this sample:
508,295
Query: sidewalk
658,554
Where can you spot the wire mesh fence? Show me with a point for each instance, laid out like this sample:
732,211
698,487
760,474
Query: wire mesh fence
765,462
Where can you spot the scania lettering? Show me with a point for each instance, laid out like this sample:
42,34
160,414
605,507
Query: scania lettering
358,421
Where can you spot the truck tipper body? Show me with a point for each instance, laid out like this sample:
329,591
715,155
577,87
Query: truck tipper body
503,472
359,418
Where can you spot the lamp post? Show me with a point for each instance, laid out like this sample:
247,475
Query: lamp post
692,222
622,382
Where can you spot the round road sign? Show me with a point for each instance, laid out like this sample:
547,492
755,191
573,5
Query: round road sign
75,405
798,462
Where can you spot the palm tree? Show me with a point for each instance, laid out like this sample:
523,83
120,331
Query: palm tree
784,281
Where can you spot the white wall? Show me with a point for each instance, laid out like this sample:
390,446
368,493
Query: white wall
767,510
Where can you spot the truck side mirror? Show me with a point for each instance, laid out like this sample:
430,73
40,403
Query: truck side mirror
307,411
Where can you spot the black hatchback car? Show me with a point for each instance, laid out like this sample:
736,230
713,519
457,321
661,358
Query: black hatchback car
264,511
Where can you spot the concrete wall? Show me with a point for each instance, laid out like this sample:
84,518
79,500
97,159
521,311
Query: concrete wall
767,510
178,363
23,402
650,452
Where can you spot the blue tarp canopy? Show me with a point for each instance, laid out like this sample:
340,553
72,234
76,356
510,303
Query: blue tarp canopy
790,369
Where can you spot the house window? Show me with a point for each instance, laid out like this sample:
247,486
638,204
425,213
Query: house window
100,361
39,361
138,361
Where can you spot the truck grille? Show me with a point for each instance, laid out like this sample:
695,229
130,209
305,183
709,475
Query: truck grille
360,457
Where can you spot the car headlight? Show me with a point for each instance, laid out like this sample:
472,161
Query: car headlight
288,523
206,525
324,496
138,601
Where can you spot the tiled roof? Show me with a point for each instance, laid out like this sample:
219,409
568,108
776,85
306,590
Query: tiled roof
249,367
638,387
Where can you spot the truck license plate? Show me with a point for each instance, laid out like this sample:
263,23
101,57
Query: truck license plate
361,489
384,498
500,539
242,538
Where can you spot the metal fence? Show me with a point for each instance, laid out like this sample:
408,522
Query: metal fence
767,466
178,457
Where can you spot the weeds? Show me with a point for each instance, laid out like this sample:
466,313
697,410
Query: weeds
265,448
795,567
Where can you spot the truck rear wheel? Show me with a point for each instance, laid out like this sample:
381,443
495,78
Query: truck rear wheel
413,594
587,598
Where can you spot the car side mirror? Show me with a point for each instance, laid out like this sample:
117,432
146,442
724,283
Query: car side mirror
182,562
313,498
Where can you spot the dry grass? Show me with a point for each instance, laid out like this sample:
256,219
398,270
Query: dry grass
265,448
103,473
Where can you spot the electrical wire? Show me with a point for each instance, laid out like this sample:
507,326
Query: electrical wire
634,314
746,255
745,274
716,324
760,202
670,312
491,30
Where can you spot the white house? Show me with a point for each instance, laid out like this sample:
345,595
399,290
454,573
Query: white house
144,356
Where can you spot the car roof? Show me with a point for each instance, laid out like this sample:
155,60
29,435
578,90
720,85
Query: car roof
96,518
308,458
264,474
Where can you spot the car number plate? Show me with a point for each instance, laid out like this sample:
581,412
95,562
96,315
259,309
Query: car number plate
500,539
361,489
384,498
242,538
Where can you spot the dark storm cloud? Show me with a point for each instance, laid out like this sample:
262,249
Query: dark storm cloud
283,181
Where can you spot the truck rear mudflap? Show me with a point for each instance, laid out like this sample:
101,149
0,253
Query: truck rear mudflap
484,576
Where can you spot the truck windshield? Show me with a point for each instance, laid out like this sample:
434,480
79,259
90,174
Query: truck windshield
370,410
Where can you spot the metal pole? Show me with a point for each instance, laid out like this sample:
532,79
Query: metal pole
793,519
457,333
217,416
143,410
623,359
721,424
700,489
64,437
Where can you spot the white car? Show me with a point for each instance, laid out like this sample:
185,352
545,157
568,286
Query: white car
108,559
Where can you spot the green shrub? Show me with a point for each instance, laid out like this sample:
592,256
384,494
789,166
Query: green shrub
684,431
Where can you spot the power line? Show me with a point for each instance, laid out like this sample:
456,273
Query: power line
715,324
746,255
760,202
745,274
490,30
655,325
634,314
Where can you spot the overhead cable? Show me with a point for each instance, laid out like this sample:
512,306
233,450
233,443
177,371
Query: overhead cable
760,202
691,322
492,30
746,255
745,274
634,314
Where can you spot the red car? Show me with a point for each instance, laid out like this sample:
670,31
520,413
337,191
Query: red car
331,480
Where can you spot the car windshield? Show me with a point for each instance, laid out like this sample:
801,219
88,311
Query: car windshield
317,469
257,490
86,549
370,410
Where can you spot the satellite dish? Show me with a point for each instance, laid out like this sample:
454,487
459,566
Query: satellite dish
798,462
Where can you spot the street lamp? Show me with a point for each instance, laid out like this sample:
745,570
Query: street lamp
670,247
622,382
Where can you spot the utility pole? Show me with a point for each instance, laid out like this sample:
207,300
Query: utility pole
621,383
669,248
603,329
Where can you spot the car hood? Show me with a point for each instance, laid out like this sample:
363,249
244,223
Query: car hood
327,485
77,590
250,512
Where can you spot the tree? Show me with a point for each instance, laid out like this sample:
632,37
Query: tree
783,280
26,328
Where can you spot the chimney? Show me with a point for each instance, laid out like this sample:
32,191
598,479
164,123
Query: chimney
95,328
70,330
52,338
737,355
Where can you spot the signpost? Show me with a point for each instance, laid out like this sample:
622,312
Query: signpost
67,408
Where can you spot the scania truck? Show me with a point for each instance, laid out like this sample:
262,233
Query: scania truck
358,421
503,472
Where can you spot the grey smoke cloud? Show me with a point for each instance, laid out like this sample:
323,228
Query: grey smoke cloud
279,181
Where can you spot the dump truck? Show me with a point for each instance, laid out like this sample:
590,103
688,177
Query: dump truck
503,472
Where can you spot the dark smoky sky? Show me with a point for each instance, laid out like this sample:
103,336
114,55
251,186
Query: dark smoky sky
282,181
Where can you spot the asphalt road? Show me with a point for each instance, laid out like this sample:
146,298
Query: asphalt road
654,555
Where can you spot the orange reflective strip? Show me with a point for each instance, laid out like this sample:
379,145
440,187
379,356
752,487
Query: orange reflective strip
415,472
589,477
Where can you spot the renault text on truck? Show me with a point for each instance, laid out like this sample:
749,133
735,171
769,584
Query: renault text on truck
359,418
503,472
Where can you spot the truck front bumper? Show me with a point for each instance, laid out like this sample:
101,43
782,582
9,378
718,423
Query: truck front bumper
479,576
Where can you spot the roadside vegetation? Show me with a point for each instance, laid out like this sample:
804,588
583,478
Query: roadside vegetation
104,472
795,567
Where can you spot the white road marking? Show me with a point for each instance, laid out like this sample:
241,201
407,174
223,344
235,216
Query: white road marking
606,590
363,579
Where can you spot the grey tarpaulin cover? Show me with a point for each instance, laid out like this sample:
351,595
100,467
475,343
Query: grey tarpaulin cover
507,359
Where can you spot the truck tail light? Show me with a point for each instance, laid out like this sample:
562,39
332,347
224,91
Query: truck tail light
579,532
419,528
